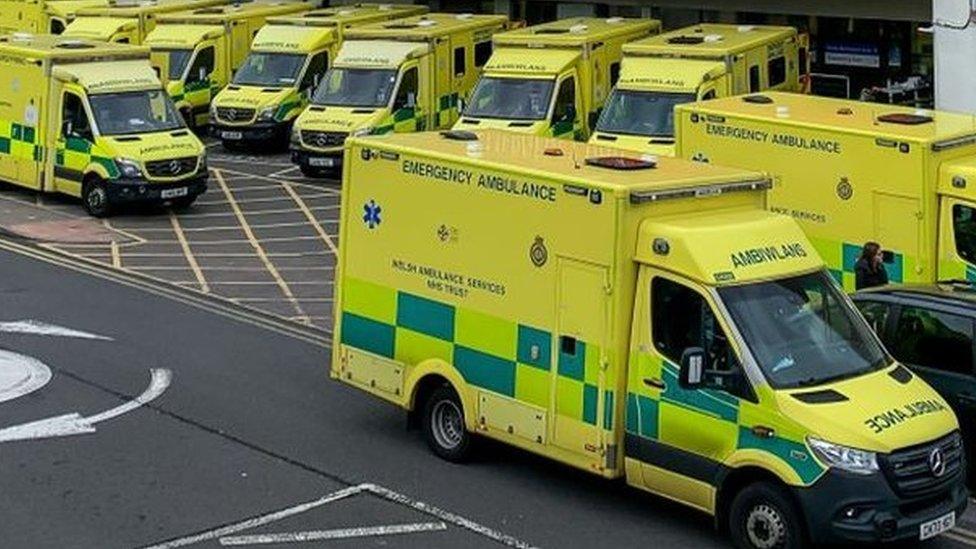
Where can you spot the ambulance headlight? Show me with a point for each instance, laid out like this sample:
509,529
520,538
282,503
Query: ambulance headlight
852,460
129,168
362,131
267,115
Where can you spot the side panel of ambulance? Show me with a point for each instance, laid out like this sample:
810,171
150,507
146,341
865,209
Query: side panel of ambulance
40,16
126,23
288,58
552,79
854,172
402,76
701,62
196,52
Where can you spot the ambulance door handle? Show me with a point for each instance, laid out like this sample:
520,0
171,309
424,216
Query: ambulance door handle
655,383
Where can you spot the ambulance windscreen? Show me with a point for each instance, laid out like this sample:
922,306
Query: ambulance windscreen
644,113
134,112
510,98
355,88
270,69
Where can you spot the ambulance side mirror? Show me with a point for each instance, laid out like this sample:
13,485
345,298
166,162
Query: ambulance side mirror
692,373
202,74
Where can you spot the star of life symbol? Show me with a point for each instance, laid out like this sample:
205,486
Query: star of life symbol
371,214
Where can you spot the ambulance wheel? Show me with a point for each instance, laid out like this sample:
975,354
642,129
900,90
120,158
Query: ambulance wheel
443,424
763,516
95,197
189,119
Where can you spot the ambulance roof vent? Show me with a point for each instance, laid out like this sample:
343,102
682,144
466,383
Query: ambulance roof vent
615,20
21,36
758,99
464,16
426,23
904,118
624,163
551,31
577,29
459,135
74,45
712,38
206,11
684,39
746,28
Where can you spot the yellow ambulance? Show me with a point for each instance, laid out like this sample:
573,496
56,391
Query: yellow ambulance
197,52
695,63
636,319
126,22
852,172
40,16
401,76
91,120
552,79
288,58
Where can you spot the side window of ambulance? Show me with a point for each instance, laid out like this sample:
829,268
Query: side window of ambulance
202,66
74,119
934,339
57,26
776,69
460,61
406,97
754,81
614,73
681,319
316,69
565,108
482,52
710,94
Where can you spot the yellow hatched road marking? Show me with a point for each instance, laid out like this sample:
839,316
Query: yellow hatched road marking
256,244
188,253
298,183
311,218
258,200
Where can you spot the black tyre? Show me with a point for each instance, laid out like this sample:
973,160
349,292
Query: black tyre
762,516
189,119
443,424
95,198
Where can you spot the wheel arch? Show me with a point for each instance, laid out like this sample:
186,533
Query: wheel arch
734,480
425,378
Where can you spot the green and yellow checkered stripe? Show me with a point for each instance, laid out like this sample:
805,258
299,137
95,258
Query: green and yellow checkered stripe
491,353
644,418
841,257
20,141
77,154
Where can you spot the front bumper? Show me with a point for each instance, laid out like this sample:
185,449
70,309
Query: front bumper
330,160
882,515
127,191
252,133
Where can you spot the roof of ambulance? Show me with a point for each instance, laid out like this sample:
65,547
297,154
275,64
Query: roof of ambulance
527,154
424,27
219,14
575,31
840,114
63,47
717,39
355,14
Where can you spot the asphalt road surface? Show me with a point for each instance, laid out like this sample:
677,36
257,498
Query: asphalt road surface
203,422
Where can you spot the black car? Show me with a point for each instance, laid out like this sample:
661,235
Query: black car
932,329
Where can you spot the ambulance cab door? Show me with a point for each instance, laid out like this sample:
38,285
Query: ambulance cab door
75,138
198,89
677,437
583,406
407,109
957,239
565,120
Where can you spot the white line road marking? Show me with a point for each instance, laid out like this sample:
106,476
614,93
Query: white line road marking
222,534
280,173
341,533
20,375
75,424
36,327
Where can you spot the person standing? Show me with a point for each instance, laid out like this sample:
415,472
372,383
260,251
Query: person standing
869,271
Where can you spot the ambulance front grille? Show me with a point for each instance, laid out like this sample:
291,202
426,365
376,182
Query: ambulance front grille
323,139
172,167
925,469
235,114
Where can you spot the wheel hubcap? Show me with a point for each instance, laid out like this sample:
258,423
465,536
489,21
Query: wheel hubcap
96,198
765,527
447,424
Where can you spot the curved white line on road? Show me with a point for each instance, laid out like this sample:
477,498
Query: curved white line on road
36,327
20,375
159,381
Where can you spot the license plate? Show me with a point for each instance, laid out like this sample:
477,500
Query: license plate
321,162
937,526
231,135
173,193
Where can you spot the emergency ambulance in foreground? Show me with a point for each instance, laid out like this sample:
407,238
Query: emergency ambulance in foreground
637,320
40,16
288,58
695,63
91,120
552,79
401,76
851,172
197,52
127,22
